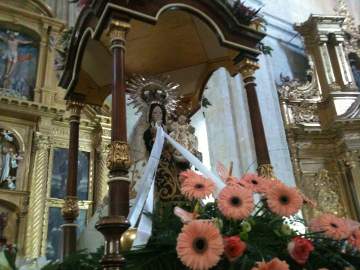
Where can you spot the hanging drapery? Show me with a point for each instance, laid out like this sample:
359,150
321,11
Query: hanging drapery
144,201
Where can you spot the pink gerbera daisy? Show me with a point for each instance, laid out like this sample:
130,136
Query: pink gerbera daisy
255,183
200,245
274,264
332,226
283,200
354,239
236,202
195,186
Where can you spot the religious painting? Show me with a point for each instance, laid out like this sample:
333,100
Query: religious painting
355,67
60,171
54,235
18,63
9,159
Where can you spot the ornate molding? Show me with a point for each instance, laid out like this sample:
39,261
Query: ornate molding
305,112
295,89
352,42
70,211
119,156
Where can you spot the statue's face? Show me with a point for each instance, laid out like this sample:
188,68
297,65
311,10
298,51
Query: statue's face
157,115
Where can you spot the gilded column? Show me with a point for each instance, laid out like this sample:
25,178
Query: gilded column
247,68
39,177
118,160
43,52
70,210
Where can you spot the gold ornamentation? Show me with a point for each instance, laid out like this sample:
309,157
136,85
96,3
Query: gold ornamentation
119,156
247,68
267,171
74,107
37,198
127,239
305,113
117,31
327,190
70,210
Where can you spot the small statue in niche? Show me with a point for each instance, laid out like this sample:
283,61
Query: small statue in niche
183,133
8,161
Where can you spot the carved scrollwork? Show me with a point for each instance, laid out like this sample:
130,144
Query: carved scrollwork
295,89
70,210
305,112
119,156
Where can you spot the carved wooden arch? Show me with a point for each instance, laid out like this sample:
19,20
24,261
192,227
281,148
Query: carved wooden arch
94,19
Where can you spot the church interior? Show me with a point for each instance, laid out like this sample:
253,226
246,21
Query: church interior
179,134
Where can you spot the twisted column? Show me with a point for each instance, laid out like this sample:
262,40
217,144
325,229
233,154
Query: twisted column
39,176
247,68
118,160
70,210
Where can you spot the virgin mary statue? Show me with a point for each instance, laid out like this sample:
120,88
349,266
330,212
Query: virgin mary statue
155,99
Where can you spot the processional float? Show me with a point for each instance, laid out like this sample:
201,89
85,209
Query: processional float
114,39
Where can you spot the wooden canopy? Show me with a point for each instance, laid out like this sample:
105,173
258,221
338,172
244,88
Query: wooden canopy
186,39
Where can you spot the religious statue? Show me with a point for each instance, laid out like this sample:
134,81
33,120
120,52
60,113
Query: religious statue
157,99
183,133
8,160
11,54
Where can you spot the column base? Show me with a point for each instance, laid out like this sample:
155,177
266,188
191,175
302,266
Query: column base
112,227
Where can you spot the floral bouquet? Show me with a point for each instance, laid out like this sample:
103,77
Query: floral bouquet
236,232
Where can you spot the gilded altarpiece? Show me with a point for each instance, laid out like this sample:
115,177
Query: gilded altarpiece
34,136
321,119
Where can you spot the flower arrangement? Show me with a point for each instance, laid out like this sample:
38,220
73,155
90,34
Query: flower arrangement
236,232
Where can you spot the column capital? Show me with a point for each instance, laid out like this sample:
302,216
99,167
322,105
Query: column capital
247,67
75,107
117,31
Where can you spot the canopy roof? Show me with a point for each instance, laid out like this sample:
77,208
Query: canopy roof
187,39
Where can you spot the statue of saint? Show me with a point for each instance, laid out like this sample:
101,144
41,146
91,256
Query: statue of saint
183,133
8,160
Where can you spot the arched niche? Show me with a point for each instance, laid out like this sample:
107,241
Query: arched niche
19,53
12,150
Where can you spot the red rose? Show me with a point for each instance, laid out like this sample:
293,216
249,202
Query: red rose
299,249
234,247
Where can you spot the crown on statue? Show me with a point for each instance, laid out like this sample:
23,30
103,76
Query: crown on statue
147,90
